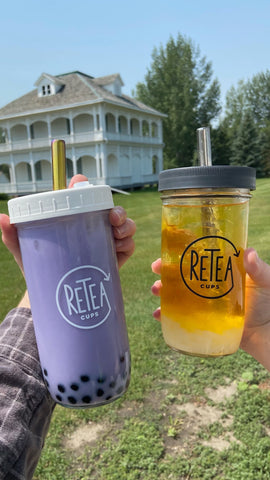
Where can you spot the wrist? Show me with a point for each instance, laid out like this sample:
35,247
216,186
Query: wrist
258,346
25,302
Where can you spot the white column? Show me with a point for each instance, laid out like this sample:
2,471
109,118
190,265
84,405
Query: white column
33,173
118,160
102,119
160,130
140,127
49,127
130,150
97,156
12,170
94,114
74,163
8,135
117,123
71,126
160,160
28,132
28,135
128,122
103,160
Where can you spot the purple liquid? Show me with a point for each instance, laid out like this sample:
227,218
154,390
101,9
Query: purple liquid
75,293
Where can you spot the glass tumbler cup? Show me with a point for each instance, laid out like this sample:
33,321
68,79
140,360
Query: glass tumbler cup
204,233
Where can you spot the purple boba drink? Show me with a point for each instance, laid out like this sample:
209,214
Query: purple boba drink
75,293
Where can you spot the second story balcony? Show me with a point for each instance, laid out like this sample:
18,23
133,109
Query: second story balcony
32,143
80,129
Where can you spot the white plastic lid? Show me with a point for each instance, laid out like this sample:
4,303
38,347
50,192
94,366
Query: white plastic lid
59,203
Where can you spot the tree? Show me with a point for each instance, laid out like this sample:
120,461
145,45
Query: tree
236,105
264,169
221,145
253,95
258,97
248,107
179,84
247,147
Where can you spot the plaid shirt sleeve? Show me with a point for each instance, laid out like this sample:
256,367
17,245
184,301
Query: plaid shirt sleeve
25,404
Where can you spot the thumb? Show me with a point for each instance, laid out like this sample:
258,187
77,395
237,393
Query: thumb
257,269
76,179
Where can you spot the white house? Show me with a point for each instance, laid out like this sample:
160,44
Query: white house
111,138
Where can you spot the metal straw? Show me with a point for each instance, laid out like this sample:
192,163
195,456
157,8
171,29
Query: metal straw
204,146
59,164
205,159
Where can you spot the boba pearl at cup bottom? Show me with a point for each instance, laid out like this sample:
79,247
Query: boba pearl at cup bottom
89,389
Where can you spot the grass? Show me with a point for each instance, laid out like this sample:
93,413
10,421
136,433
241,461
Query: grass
12,283
147,434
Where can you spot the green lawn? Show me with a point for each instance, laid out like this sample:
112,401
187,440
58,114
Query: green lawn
182,417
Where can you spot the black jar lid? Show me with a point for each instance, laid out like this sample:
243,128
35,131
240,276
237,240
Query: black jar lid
214,176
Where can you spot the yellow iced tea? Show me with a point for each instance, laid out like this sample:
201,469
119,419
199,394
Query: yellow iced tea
203,278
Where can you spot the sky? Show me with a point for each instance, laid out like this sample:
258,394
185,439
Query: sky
102,37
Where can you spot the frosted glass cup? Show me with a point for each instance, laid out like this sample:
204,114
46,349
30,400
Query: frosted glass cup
204,233
73,282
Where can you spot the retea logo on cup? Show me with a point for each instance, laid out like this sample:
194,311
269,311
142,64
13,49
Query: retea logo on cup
207,266
82,296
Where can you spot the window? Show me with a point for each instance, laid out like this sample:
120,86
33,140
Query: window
154,130
79,165
5,170
110,122
69,167
134,127
46,90
29,173
154,164
122,125
38,171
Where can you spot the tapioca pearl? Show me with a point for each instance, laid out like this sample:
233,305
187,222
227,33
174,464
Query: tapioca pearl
86,399
122,358
101,379
59,398
85,378
46,383
74,387
112,384
61,388
72,400
99,392
108,397
45,372
120,390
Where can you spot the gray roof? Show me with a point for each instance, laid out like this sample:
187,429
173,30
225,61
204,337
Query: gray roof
77,88
107,79
56,80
